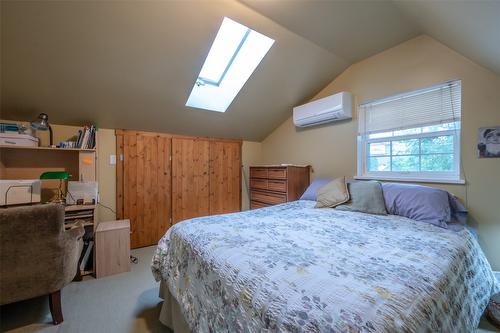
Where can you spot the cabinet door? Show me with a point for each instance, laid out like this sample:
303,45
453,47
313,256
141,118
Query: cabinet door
190,178
225,177
146,186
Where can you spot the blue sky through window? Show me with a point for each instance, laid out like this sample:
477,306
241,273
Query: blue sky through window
235,54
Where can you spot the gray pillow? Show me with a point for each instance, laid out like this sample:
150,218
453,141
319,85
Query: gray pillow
366,197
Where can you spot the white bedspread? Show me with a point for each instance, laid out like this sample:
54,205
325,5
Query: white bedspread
294,268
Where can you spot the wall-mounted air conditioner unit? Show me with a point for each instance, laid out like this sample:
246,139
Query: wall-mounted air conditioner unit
324,110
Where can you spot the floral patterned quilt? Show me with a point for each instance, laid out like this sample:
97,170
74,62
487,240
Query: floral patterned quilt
295,268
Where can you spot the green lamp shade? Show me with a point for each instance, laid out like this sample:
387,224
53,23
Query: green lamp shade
62,175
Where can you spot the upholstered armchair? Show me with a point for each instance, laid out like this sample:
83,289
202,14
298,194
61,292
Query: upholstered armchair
37,256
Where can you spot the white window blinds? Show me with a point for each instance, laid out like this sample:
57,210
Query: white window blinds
433,105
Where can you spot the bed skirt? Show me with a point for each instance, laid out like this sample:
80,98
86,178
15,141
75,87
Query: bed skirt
170,314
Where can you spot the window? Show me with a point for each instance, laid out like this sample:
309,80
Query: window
235,54
412,136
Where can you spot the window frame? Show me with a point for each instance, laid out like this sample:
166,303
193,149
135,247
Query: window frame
229,63
431,176
215,88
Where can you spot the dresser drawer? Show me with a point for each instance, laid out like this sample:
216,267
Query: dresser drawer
268,198
276,185
258,172
256,204
268,184
279,173
258,183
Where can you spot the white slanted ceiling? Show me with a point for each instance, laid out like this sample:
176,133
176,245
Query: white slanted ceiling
353,30
132,64
471,28
358,29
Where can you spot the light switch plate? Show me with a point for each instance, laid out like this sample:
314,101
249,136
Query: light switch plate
112,159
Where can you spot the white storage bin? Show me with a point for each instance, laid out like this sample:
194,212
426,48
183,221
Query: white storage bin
16,139
16,192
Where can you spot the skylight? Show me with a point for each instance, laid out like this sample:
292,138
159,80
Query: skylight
234,55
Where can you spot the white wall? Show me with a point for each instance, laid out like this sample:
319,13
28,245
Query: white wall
417,63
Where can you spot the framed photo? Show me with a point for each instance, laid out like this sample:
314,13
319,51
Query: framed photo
488,141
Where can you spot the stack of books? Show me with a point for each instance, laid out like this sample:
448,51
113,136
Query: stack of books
86,137
67,144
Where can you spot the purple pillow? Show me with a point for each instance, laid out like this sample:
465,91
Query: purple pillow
458,211
310,193
420,203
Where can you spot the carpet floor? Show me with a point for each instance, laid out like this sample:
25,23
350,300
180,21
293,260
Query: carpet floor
126,302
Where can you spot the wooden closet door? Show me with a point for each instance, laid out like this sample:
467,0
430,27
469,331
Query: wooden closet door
225,177
190,178
146,186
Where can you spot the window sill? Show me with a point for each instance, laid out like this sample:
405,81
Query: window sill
413,180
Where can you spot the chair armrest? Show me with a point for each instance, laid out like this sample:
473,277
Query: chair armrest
73,245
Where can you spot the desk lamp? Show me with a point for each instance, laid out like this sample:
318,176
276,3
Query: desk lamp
62,176
42,124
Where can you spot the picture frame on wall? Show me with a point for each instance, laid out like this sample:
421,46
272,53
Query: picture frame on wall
488,142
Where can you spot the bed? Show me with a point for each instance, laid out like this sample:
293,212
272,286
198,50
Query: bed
294,268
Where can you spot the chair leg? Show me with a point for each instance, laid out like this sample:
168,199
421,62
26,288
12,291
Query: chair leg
55,307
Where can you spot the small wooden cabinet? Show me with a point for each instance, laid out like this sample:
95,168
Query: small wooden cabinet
276,184
113,248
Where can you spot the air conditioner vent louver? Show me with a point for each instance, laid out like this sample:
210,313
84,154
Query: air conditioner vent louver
324,110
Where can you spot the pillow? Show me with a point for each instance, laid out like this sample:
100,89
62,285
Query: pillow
310,193
366,197
332,194
417,202
458,211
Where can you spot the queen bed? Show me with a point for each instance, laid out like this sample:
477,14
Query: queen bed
296,268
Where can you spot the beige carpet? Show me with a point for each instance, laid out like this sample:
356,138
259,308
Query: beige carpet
126,302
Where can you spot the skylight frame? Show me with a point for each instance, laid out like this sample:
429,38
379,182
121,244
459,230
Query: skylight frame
235,54
229,63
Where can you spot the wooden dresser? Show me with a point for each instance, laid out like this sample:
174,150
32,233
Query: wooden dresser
271,185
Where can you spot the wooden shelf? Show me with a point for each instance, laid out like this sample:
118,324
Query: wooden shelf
20,162
80,217
71,208
72,224
46,148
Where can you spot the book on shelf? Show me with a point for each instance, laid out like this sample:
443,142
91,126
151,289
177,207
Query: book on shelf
86,137
79,140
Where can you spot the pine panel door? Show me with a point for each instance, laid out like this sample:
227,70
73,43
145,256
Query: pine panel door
190,178
225,177
146,187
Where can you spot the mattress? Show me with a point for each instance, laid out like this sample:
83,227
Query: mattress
294,268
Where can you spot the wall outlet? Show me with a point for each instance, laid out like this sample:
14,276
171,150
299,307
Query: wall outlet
112,159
